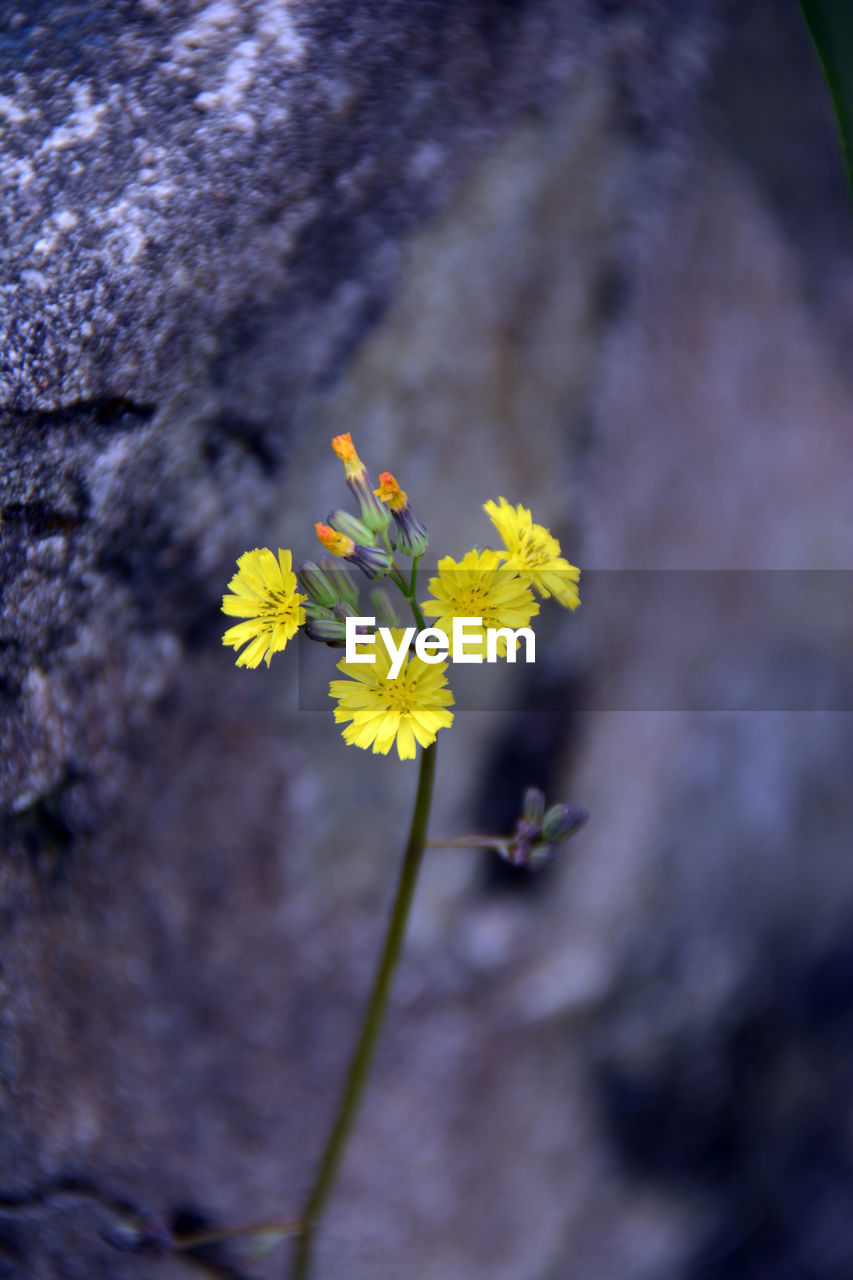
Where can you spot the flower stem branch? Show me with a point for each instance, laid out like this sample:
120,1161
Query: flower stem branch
196,1239
413,581
416,610
470,842
395,573
374,1015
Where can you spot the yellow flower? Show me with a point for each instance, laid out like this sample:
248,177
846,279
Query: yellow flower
338,543
479,586
409,536
533,552
412,708
265,595
345,450
374,514
390,492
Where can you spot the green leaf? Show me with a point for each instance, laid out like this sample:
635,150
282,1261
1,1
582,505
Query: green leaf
831,25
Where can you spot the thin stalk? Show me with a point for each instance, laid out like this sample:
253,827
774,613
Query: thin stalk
416,610
397,578
196,1239
395,573
362,1058
470,842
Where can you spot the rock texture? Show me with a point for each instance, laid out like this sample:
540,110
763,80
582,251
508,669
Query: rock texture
524,248
201,210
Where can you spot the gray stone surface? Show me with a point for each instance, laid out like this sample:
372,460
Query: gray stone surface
499,244
201,210
172,171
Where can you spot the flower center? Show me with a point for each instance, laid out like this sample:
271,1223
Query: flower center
532,549
396,695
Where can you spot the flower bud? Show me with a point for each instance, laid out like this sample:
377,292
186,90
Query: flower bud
410,535
382,608
515,851
562,821
541,855
338,543
343,580
534,805
328,630
343,446
314,581
314,610
373,512
374,562
352,527
390,492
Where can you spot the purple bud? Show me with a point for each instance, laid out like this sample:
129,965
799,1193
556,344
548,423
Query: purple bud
562,821
314,581
534,805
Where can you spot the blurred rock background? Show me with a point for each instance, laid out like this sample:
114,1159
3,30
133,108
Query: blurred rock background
592,255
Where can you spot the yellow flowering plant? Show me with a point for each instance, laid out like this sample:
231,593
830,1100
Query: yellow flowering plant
479,586
398,695
409,709
264,594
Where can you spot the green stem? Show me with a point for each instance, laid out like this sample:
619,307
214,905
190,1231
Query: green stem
416,610
470,842
413,581
397,578
198,1238
395,573
362,1058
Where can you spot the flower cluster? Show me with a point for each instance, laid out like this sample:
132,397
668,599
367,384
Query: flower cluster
537,835
539,832
407,705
